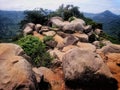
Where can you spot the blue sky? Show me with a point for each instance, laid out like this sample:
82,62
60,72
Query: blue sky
93,6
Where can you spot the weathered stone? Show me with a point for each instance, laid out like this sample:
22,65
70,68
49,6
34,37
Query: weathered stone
28,28
15,71
86,69
70,40
36,34
55,80
38,27
49,33
82,37
86,46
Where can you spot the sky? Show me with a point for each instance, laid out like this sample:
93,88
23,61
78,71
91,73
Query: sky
92,6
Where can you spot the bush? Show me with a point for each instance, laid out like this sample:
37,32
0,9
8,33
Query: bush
47,38
36,49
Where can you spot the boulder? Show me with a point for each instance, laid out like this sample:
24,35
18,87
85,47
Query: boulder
59,40
112,48
15,71
87,29
38,27
82,37
36,34
57,54
57,21
86,46
98,31
49,33
75,25
54,80
85,69
70,40
62,34
28,28
66,48
51,43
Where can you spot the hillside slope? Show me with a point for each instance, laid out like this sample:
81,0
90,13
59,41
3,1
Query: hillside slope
110,21
9,23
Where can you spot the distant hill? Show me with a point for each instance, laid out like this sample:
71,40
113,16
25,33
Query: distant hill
110,21
9,23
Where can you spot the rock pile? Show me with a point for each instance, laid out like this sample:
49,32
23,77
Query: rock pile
78,64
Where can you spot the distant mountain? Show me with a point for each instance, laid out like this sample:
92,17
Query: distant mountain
110,21
9,23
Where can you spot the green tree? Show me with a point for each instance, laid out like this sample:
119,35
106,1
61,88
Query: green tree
36,49
36,16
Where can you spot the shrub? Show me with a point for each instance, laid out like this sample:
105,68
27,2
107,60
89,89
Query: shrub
36,49
47,38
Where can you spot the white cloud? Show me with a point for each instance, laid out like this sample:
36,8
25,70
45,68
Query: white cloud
93,6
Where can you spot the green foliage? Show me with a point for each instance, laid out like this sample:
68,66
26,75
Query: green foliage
36,49
71,19
47,38
35,16
114,40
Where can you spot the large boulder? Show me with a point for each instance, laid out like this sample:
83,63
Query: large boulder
85,69
57,21
15,71
70,40
75,25
28,28
82,37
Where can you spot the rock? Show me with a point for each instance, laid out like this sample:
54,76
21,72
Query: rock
97,44
98,31
38,27
15,71
87,29
112,48
49,33
66,48
56,54
75,25
70,40
86,46
51,44
113,62
28,28
57,21
82,37
36,34
39,76
111,56
55,81
86,69
44,29
59,40
62,34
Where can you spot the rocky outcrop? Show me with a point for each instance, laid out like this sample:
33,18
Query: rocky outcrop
85,69
15,71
